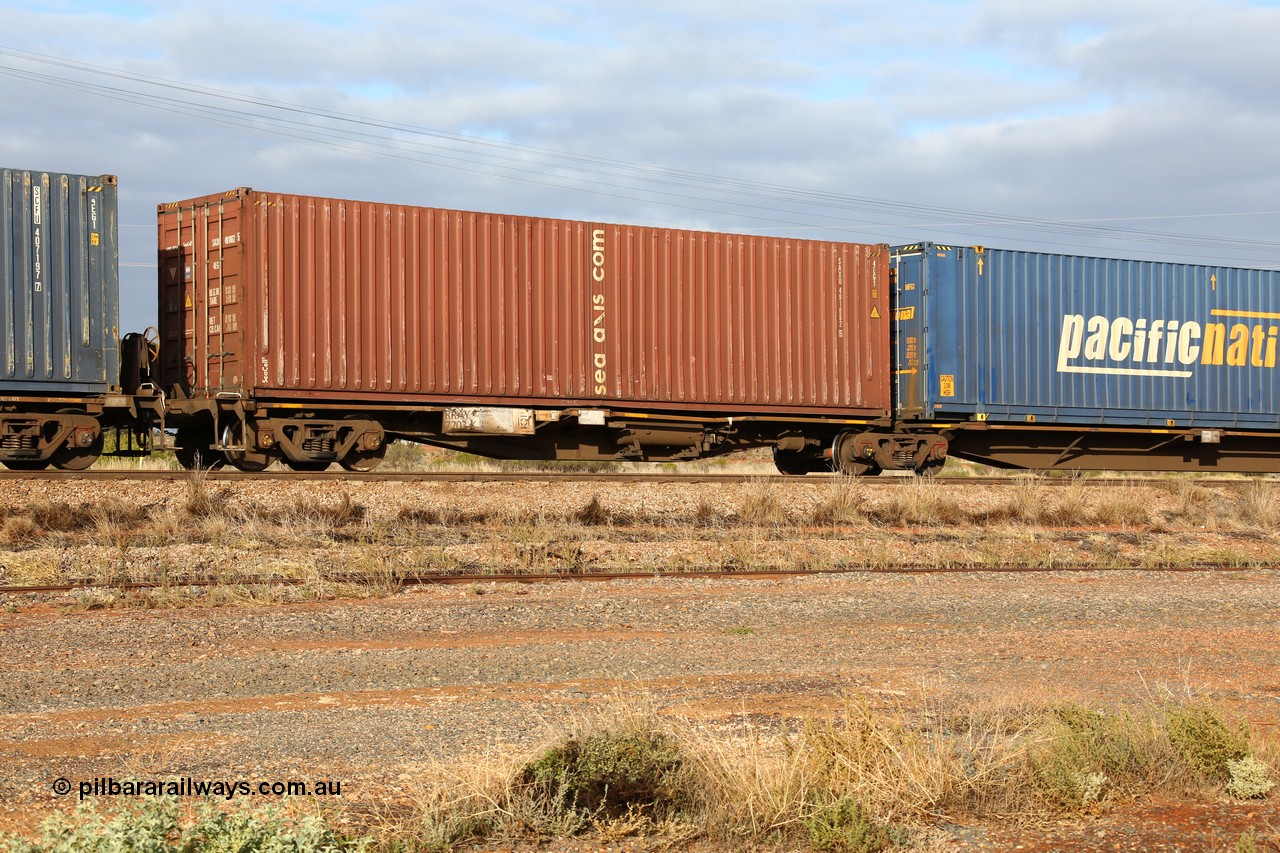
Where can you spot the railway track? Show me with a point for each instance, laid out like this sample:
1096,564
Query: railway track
551,577
574,477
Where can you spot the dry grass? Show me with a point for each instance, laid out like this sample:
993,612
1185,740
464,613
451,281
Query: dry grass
869,779
923,503
761,505
1259,505
845,503
707,514
217,531
1124,507
872,778
594,513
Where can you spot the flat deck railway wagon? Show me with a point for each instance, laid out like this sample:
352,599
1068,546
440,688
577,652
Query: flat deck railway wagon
60,357
1026,359
316,330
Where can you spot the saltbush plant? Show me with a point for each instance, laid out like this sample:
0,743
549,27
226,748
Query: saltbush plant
609,774
1248,778
1206,740
154,825
844,826
1088,756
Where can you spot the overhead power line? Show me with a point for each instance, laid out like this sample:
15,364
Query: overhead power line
760,201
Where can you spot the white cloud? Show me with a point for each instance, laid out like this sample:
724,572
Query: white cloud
1057,109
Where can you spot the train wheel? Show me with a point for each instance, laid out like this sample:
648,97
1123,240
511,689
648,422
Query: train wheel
249,460
26,464
849,463
195,450
76,458
242,462
363,461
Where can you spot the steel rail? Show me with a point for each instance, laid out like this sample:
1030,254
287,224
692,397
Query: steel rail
549,577
584,477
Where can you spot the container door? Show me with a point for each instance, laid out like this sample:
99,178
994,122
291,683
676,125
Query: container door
911,368
201,262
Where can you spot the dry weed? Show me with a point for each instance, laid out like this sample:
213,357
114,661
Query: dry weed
761,505
707,514
200,501
753,787
922,503
844,503
595,513
1258,505
449,515
1029,502
1198,505
1123,506
448,805
20,530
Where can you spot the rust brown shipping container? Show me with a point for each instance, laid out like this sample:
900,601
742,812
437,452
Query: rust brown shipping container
285,297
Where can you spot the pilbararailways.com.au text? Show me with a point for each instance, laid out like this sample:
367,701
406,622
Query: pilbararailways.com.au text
188,787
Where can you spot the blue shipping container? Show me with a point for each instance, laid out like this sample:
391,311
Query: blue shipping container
59,283
1018,337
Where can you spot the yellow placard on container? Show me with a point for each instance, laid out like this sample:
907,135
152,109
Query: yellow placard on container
947,383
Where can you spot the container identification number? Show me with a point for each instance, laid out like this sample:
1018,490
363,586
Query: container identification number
37,212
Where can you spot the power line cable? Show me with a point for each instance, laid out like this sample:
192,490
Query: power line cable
529,164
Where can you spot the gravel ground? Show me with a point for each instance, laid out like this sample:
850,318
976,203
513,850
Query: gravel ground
374,692
369,692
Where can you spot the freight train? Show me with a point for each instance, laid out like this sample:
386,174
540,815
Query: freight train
312,331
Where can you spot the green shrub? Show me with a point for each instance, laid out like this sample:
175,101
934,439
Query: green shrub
149,826
844,826
608,775
1248,779
262,831
1206,741
1089,755
152,825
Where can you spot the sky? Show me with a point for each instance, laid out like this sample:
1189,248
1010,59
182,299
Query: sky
1124,128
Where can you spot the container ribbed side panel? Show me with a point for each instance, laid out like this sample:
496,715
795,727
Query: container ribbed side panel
1015,335
59,285
359,300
